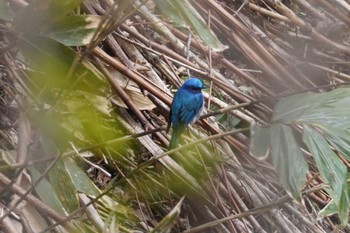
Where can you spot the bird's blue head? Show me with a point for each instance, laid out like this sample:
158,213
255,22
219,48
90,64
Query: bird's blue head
192,85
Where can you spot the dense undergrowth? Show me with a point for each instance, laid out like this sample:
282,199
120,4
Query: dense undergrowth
85,94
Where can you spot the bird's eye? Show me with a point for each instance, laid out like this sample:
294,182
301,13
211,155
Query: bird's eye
195,88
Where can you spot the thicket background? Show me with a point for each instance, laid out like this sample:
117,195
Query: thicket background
85,89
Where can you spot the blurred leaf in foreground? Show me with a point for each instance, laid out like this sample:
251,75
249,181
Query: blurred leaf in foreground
322,109
73,106
40,14
325,116
5,11
332,170
69,105
260,141
288,159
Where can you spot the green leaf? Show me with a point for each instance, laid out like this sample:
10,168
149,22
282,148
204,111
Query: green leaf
183,13
325,109
332,170
288,159
167,223
78,102
81,181
59,178
46,192
63,185
329,110
291,108
329,209
339,139
76,30
260,141
40,14
5,11
53,62
169,10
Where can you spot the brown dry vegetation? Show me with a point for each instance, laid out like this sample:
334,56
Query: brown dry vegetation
82,126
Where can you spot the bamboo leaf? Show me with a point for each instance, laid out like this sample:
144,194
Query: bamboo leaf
53,62
63,186
325,109
288,159
339,139
75,30
329,209
81,181
43,189
291,108
59,178
260,141
332,170
328,110
40,14
183,13
169,10
167,223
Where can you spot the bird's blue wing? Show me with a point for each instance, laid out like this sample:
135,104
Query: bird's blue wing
186,107
191,109
186,115
175,109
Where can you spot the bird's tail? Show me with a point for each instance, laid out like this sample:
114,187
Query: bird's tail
175,136
174,141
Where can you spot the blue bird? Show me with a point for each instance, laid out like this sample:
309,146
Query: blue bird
186,108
